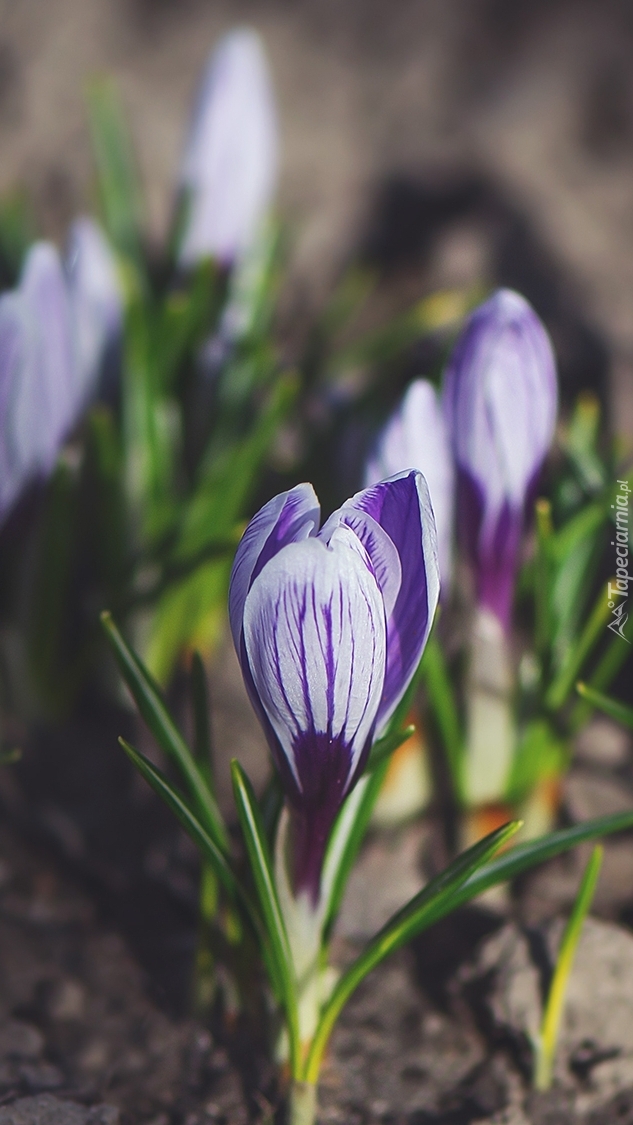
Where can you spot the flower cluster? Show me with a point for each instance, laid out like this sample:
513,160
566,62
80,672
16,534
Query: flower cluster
485,440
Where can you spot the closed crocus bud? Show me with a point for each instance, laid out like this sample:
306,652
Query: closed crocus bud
329,627
96,299
38,381
229,172
415,437
500,401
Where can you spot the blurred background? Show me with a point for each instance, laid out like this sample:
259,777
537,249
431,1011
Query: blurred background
448,139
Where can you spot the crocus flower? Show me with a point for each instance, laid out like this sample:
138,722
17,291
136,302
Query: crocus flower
229,172
415,437
96,299
500,400
38,383
329,627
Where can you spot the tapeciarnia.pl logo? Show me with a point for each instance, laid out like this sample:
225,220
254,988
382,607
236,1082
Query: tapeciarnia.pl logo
618,591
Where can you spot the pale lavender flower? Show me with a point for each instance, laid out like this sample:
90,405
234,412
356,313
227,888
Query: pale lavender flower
329,627
229,172
415,437
500,402
38,383
96,300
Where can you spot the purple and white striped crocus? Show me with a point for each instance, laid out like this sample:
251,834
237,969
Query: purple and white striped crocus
38,383
229,171
54,329
500,402
415,437
329,627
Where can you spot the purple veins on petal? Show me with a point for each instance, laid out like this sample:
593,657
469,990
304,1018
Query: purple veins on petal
500,401
402,508
314,636
287,518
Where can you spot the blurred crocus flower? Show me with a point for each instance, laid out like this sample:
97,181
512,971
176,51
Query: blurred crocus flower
500,401
415,437
96,300
39,399
329,627
229,171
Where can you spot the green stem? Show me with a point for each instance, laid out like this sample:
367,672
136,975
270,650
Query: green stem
560,688
544,532
302,1105
548,1038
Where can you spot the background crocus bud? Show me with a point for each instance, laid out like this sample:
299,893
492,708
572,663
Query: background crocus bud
500,401
229,172
329,627
415,437
96,299
39,386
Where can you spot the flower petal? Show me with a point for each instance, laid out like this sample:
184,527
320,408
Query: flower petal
500,401
230,165
287,518
415,437
402,508
314,634
96,298
49,406
18,358
500,398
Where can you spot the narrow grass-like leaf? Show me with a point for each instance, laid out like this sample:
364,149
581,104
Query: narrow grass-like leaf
18,230
585,523
187,817
562,684
542,575
346,837
611,707
607,667
148,699
442,700
432,902
548,1037
387,745
118,181
581,439
524,856
223,490
261,867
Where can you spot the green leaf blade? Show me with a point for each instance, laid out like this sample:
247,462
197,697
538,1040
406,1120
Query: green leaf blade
147,697
207,846
552,1015
611,707
261,867
424,909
